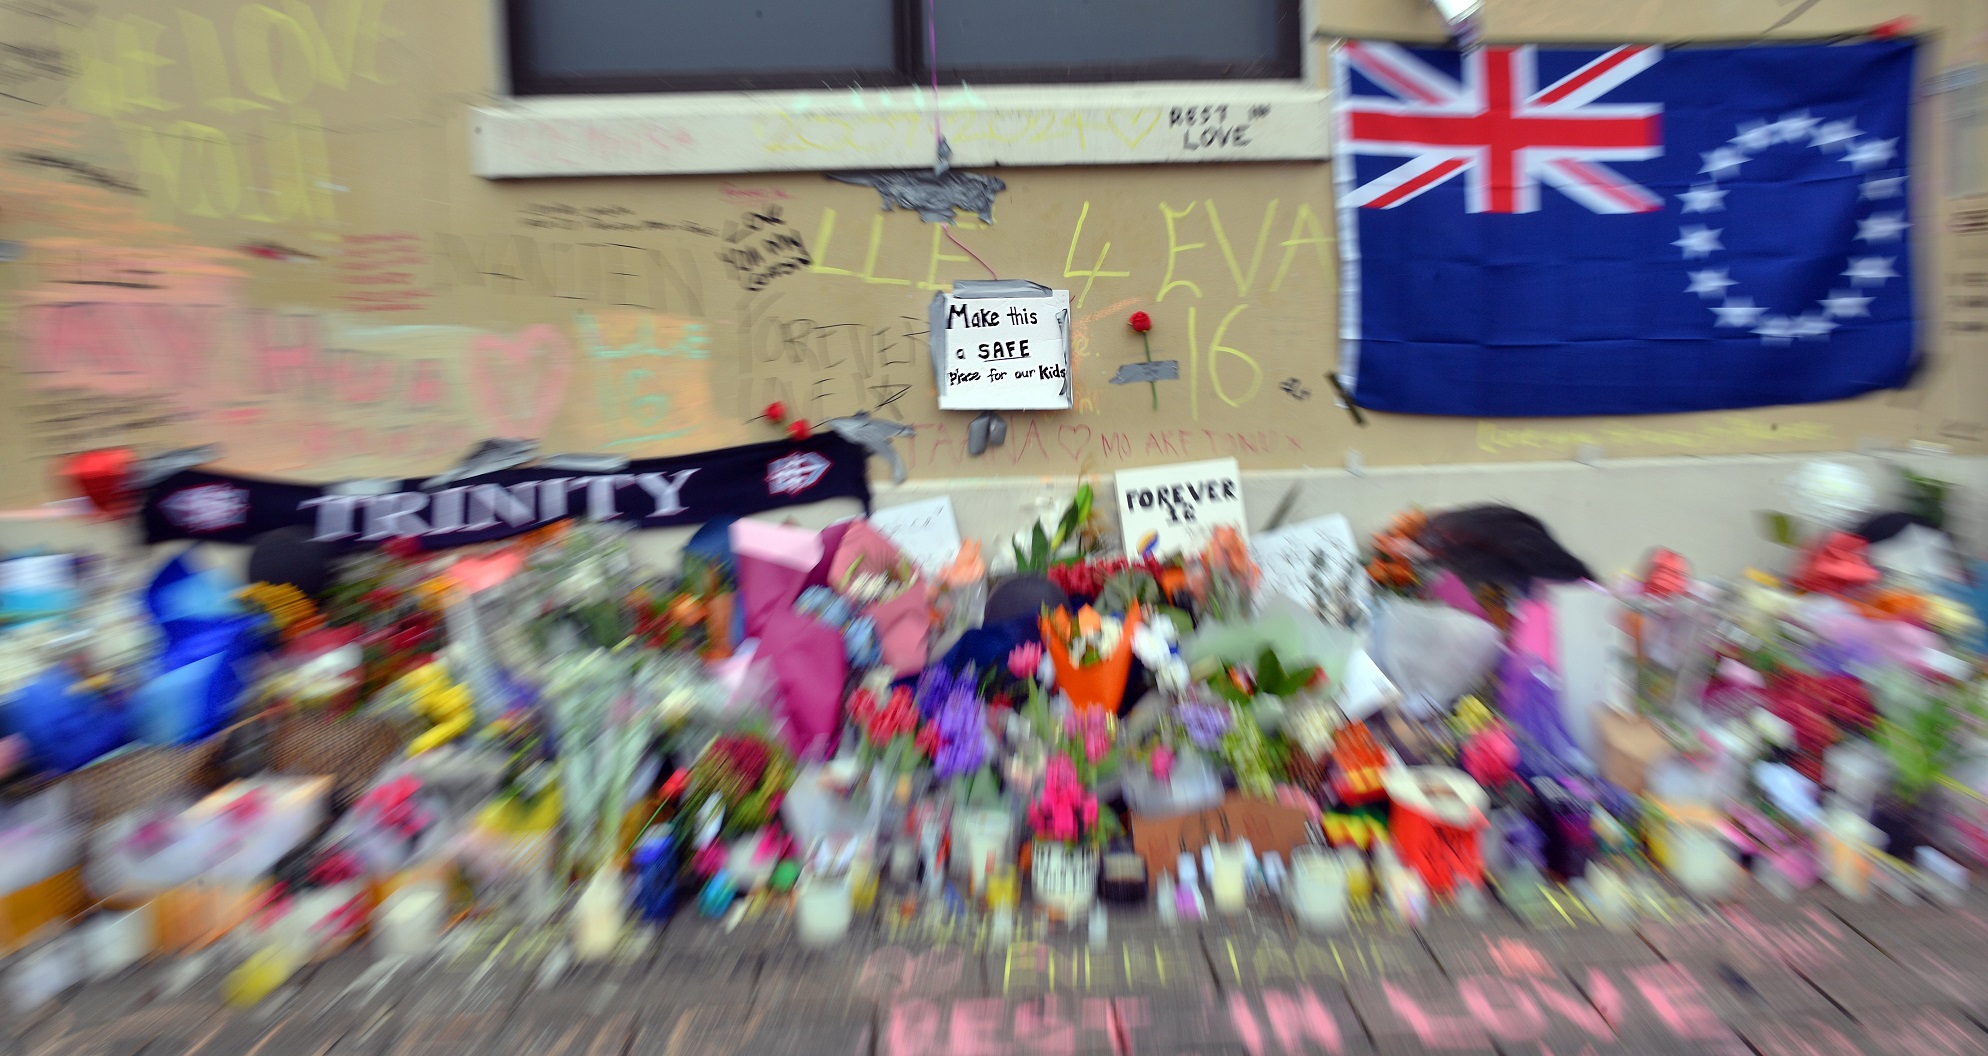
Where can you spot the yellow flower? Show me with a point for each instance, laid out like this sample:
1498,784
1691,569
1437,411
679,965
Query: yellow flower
1951,618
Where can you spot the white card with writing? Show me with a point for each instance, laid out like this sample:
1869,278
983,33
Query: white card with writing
927,531
1316,563
1164,510
1005,353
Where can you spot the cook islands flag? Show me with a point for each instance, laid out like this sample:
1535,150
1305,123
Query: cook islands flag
1548,231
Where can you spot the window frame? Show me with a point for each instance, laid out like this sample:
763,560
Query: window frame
909,70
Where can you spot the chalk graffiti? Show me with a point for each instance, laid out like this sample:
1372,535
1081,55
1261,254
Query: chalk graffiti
161,339
1734,432
377,273
611,274
760,247
561,216
826,370
649,377
278,172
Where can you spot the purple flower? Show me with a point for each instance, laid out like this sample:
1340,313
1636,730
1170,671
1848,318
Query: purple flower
1205,723
956,711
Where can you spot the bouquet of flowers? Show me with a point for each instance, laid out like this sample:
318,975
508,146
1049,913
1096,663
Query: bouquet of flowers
602,732
1092,655
955,730
1222,578
693,612
887,589
748,774
1067,812
887,728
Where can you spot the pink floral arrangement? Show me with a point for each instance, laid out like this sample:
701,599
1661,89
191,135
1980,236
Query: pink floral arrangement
1067,812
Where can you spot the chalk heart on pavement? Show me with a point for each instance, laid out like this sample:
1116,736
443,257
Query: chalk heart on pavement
521,380
1073,439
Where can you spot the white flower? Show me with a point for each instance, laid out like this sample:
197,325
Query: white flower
1172,676
1108,637
1151,646
1164,627
1045,672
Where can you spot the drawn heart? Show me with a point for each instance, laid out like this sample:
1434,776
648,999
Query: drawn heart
522,380
1074,450
1126,135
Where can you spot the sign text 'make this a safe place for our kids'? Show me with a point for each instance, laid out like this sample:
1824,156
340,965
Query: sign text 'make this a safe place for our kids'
1006,353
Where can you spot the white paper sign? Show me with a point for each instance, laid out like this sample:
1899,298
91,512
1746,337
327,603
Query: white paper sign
927,532
1165,510
1316,564
1005,353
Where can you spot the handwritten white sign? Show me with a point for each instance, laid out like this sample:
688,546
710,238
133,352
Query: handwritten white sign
1164,510
1005,353
927,531
1317,564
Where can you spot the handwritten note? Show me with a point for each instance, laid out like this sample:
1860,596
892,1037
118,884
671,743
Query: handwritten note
927,531
1168,509
1005,353
1317,564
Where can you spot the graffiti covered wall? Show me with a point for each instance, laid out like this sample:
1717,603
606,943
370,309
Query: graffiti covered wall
257,225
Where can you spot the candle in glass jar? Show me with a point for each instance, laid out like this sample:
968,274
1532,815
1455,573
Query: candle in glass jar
1318,889
1227,877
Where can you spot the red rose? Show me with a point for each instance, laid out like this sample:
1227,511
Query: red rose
776,411
799,430
1141,321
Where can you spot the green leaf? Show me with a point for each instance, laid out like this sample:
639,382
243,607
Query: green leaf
1296,681
1039,541
1067,526
1226,688
1269,673
1778,527
1021,559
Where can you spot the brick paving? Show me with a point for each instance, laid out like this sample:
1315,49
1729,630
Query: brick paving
1818,977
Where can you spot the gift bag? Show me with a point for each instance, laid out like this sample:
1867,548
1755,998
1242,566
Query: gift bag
810,665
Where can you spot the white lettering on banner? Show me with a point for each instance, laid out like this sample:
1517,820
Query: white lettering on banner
664,488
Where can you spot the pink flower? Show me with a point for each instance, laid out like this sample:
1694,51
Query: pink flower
1024,659
1163,763
1090,810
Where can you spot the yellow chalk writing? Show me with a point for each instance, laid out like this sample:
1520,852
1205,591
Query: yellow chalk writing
1097,267
1305,231
1175,249
1243,282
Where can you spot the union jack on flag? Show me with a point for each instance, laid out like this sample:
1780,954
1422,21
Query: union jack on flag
1504,132
1561,231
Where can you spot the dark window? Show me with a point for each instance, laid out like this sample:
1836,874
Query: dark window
616,46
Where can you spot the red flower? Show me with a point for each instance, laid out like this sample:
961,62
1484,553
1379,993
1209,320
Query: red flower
776,411
404,547
1141,321
799,430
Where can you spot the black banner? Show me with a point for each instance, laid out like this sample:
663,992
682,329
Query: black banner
650,493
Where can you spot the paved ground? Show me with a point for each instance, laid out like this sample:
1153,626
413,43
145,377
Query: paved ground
1816,977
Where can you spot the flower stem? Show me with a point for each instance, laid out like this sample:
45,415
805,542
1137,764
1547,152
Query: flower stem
1153,385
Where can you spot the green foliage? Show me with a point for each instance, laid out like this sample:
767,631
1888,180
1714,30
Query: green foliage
1043,548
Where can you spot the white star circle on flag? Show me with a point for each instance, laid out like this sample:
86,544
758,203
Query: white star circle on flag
1866,273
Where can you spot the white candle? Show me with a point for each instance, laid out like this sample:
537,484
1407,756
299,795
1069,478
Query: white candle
1228,869
822,911
1318,889
410,922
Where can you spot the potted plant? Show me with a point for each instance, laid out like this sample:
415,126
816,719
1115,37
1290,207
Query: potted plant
1070,829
